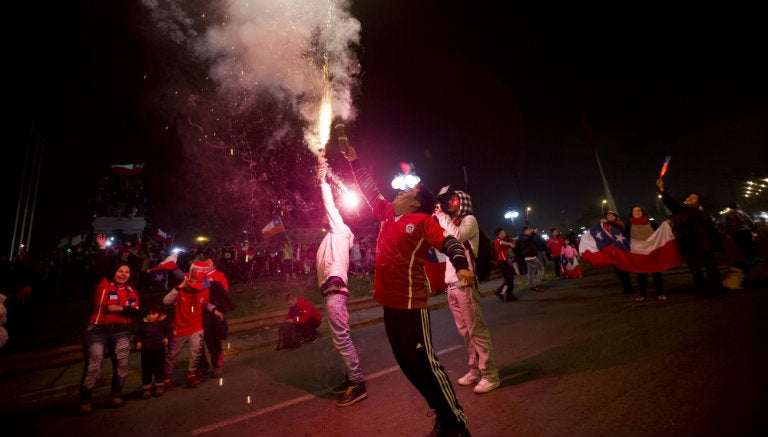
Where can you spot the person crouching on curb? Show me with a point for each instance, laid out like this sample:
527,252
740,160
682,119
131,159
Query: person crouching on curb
300,324
189,300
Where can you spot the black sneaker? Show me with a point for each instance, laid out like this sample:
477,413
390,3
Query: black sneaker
341,388
354,394
441,430
499,295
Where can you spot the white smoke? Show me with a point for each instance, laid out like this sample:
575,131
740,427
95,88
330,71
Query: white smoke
297,50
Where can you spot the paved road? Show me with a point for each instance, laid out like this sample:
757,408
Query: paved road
580,359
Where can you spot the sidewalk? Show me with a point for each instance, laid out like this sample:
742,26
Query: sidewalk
28,378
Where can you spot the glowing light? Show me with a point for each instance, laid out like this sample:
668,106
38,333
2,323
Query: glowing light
350,199
405,181
664,167
511,215
248,400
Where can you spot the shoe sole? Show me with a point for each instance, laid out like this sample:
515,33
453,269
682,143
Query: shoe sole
353,401
466,383
489,389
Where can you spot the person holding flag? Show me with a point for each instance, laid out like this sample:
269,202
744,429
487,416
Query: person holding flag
640,227
611,220
697,238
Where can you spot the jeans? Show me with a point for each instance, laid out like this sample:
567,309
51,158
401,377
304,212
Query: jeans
338,323
535,272
101,339
465,306
174,349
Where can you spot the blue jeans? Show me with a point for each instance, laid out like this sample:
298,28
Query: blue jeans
101,339
535,272
338,322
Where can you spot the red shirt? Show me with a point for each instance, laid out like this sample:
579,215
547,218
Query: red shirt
188,311
303,310
501,250
401,251
555,245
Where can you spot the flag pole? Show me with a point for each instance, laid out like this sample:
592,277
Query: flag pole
588,130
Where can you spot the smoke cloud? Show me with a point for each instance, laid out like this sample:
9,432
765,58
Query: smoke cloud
297,51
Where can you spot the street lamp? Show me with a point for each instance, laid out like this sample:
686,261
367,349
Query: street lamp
602,206
405,182
511,215
527,213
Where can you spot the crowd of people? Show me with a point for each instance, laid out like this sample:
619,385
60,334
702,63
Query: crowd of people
192,313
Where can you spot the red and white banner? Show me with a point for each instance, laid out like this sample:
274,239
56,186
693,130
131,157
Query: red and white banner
273,228
127,169
656,254
169,263
163,236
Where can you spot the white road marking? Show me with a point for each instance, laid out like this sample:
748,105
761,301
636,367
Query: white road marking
238,419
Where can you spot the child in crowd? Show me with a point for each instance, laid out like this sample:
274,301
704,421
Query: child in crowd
189,299
151,339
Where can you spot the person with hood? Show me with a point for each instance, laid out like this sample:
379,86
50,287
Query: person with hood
454,213
332,269
189,300
697,238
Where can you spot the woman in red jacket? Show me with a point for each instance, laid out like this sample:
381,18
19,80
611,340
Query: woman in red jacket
115,302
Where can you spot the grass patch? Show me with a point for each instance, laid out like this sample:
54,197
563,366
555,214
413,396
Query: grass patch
268,294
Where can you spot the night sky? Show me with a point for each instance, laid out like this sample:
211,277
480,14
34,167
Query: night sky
495,89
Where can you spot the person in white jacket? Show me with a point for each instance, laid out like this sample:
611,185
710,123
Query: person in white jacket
332,271
454,213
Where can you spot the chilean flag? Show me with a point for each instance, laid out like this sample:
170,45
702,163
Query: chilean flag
596,245
127,169
273,228
656,254
168,264
163,236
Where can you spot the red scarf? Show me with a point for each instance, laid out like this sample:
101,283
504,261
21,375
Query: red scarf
639,221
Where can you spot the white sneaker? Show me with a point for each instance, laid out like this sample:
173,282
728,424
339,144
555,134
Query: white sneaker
485,385
469,379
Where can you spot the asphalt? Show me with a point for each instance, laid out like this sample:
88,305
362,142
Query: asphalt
30,379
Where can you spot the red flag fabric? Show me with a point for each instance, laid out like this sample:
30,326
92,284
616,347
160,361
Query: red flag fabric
596,246
163,236
656,254
170,263
273,228
127,169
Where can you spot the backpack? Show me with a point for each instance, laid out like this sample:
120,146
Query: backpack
484,258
